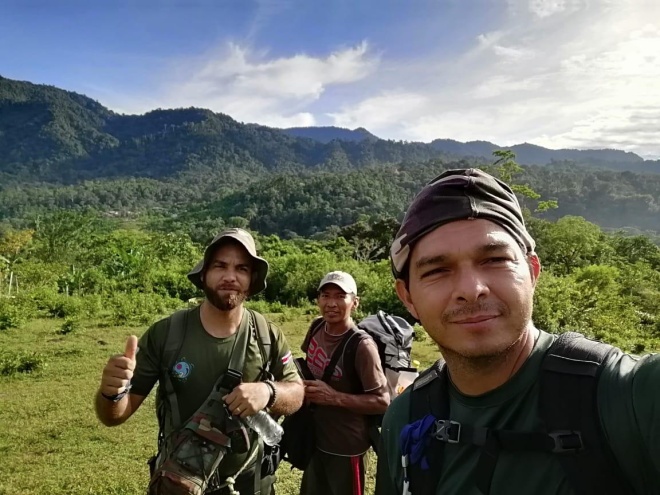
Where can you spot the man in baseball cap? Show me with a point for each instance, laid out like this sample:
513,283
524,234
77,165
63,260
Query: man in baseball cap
355,388
510,409
192,350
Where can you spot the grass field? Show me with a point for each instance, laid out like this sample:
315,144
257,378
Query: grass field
50,440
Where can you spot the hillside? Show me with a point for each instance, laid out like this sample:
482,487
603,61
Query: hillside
197,168
52,135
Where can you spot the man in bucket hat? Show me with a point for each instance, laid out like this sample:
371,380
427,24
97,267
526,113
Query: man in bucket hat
510,409
191,363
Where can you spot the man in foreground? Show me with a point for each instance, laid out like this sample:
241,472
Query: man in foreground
357,388
512,409
188,352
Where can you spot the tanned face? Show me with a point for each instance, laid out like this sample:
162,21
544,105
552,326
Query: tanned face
227,276
336,305
472,287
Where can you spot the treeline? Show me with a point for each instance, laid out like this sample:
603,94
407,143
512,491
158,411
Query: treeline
306,203
80,265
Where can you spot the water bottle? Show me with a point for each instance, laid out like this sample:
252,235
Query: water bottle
266,427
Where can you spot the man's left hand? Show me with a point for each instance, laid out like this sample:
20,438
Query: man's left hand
319,392
248,399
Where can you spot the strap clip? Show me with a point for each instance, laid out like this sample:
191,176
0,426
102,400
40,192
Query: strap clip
566,441
446,430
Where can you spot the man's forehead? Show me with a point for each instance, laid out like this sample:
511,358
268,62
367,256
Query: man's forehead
463,235
231,250
333,288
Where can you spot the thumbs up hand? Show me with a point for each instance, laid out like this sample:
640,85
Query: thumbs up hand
119,369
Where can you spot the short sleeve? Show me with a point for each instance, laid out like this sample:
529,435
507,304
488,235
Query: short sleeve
148,358
368,366
283,368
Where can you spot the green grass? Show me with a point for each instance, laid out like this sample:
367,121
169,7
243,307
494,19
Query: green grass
50,440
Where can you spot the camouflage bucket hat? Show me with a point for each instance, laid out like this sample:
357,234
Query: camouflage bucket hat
458,195
259,267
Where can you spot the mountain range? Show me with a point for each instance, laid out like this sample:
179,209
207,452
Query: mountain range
52,135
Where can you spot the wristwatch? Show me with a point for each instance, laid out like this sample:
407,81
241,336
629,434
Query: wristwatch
119,396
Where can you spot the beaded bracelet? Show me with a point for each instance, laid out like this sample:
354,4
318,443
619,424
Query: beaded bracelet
273,393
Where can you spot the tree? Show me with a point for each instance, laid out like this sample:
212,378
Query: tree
506,168
14,246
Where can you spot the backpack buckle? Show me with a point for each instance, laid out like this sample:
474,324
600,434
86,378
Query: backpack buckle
566,441
446,430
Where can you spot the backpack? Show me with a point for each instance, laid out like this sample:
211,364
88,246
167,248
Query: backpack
567,406
393,336
166,401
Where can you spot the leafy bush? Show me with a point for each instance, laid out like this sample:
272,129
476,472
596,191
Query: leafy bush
63,306
22,362
11,314
138,308
70,325
420,334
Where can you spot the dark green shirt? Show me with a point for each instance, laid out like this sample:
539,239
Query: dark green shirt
629,407
199,363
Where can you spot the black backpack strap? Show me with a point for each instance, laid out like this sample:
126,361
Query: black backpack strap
314,327
336,355
263,333
568,404
429,395
176,334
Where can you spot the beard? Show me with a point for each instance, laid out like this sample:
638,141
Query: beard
224,302
486,356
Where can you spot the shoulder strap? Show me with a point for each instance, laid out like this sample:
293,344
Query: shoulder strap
341,348
315,326
568,402
264,336
429,395
176,334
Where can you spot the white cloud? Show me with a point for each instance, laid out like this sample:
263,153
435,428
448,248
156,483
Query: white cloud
557,73
252,87
391,107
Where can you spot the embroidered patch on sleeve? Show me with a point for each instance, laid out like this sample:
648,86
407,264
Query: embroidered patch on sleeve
286,359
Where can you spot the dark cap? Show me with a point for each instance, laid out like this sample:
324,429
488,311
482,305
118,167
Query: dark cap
259,267
458,195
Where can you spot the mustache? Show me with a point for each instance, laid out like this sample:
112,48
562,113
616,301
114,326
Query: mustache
227,287
474,309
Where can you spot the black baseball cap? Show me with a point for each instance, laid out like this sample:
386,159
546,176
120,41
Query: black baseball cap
458,195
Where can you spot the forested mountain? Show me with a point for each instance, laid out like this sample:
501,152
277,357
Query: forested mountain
327,134
200,170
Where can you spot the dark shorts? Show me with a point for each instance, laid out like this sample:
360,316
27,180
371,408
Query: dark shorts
329,474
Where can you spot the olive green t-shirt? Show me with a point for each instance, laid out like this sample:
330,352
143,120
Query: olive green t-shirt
629,407
199,363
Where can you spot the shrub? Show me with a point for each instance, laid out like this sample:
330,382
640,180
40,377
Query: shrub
137,308
11,314
23,362
63,306
70,325
420,333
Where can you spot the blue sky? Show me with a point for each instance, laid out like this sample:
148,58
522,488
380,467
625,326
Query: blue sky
558,73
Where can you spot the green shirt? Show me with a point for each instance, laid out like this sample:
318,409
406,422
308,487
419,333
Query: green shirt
199,363
628,404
